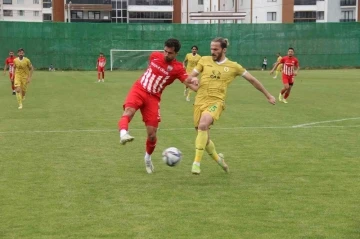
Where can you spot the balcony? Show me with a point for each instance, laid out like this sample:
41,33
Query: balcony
89,5
151,2
348,3
89,2
305,2
347,20
91,20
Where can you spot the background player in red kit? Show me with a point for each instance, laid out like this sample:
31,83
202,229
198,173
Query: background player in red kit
100,65
145,95
9,63
290,69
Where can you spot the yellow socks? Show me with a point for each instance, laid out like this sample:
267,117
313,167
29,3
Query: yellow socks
210,149
200,144
19,98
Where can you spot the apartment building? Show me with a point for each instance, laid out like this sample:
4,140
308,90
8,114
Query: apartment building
26,10
276,11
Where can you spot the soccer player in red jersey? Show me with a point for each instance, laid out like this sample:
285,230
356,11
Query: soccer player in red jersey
290,70
9,64
100,65
146,92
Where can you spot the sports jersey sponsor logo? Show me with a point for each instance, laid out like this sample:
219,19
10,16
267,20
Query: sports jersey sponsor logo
215,75
159,68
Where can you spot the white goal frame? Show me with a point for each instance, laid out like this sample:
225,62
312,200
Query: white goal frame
120,50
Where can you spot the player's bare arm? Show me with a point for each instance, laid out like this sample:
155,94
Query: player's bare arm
275,66
296,70
5,68
13,75
257,84
191,85
31,68
184,63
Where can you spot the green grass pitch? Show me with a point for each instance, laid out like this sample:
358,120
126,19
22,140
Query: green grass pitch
63,173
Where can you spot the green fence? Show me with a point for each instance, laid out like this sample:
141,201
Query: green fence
77,45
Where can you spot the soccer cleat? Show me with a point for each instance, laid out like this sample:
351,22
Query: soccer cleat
281,97
126,138
185,91
195,169
222,163
149,166
284,101
187,99
98,80
102,80
14,93
274,77
20,107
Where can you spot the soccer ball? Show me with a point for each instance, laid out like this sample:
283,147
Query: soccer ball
171,156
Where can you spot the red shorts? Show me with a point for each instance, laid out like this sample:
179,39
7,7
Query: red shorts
11,76
101,69
148,104
287,79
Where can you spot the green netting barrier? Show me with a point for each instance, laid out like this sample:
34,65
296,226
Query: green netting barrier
76,46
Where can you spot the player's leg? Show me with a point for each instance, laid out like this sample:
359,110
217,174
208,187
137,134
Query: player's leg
99,74
103,74
285,87
186,89
133,102
188,95
287,93
17,83
12,84
24,87
151,117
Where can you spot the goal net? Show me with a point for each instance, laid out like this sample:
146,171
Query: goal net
129,59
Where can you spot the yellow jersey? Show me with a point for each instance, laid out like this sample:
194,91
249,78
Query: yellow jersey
22,67
215,79
191,62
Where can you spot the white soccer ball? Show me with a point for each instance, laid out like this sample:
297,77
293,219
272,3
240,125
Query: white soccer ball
171,156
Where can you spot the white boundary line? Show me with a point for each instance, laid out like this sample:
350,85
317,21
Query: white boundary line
323,122
174,129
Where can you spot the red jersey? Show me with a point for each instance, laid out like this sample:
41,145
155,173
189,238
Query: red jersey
101,61
160,74
288,65
10,62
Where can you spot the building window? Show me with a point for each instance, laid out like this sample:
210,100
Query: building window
35,1
320,15
7,1
36,13
150,15
47,17
76,14
271,16
271,0
20,2
21,12
347,14
201,2
305,15
8,13
47,4
94,15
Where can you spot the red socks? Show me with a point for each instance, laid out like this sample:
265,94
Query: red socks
124,122
150,145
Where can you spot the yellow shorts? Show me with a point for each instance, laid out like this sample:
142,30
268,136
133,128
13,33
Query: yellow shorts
279,68
214,109
20,82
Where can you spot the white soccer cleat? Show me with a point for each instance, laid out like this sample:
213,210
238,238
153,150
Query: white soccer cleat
222,163
102,80
281,98
187,99
98,80
149,166
20,107
126,138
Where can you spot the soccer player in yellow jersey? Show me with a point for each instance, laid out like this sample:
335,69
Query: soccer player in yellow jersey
217,72
23,71
279,68
191,60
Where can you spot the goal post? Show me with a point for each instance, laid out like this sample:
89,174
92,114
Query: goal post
129,59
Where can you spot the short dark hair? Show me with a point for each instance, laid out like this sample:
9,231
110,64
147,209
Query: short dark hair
21,49
195,47
172,42
290,48
101,53
224,42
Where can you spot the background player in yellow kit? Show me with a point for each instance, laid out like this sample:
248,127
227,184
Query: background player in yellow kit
191,59
279,68
217,72
23,71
